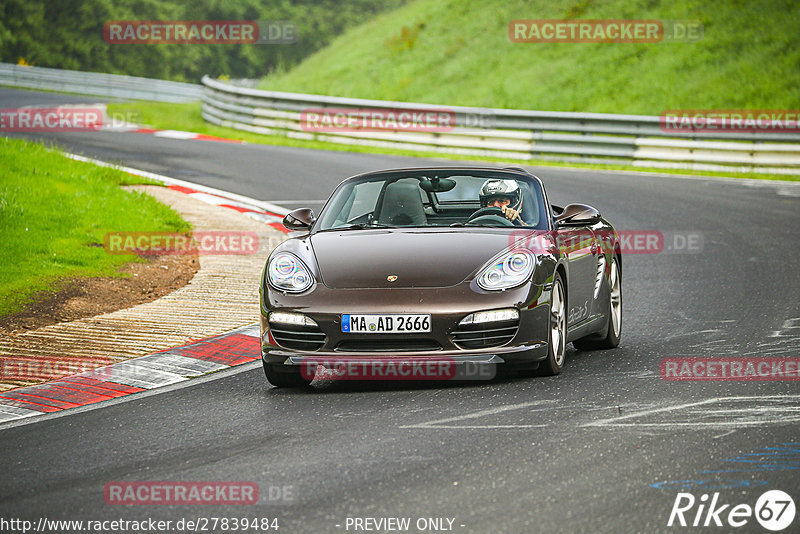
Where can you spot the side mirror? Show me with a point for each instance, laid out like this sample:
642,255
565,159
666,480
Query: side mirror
578,215
299,219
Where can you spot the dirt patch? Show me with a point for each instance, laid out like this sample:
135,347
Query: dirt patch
87,297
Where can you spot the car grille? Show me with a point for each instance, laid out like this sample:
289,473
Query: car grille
484,335
388,345
298,337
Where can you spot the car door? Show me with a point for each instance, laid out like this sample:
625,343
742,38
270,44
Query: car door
578,244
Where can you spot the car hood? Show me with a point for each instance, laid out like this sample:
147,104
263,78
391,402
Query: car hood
418,258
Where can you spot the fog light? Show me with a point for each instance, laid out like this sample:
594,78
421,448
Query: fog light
507,314
297,319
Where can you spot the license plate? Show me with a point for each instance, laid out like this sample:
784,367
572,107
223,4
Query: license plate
386,324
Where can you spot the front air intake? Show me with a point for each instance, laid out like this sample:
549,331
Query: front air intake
297,337
484,335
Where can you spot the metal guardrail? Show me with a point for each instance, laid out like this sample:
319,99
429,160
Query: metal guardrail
636,140
99,84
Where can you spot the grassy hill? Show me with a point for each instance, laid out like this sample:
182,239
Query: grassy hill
458,52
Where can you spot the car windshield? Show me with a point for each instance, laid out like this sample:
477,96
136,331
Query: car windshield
434,199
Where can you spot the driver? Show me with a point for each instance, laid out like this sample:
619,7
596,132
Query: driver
503,194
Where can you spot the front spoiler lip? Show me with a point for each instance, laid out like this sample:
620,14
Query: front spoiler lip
273,354
475,358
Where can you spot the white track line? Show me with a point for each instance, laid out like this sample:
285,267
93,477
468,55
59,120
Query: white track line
45,416
615,421
482,413
260,204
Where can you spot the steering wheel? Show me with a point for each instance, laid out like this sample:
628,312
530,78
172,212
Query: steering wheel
490,214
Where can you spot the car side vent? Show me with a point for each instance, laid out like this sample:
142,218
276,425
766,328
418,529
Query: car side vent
485,335
601,267
298,337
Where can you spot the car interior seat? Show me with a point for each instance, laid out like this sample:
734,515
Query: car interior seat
530,209
402,206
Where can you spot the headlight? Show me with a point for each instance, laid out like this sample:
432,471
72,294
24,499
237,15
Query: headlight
507,271
288,273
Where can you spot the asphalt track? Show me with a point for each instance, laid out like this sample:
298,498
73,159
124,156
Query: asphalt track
604,447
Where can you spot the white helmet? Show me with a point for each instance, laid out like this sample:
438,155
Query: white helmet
493,188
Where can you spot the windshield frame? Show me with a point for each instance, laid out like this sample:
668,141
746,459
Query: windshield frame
442,172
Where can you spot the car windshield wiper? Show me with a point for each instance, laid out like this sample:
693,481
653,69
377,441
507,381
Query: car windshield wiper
359,226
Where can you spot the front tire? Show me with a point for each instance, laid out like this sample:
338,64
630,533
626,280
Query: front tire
610,339
284,376
556,350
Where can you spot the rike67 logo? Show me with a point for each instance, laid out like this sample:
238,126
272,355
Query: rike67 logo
774,510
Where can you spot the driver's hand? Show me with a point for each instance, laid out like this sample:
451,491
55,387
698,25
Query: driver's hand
510,213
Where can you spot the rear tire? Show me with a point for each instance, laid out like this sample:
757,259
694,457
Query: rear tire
610,339
556,347
284,376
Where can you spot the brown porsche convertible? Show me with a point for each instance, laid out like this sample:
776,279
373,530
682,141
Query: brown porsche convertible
458,265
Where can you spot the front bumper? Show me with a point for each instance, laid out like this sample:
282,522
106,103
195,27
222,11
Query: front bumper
447,307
